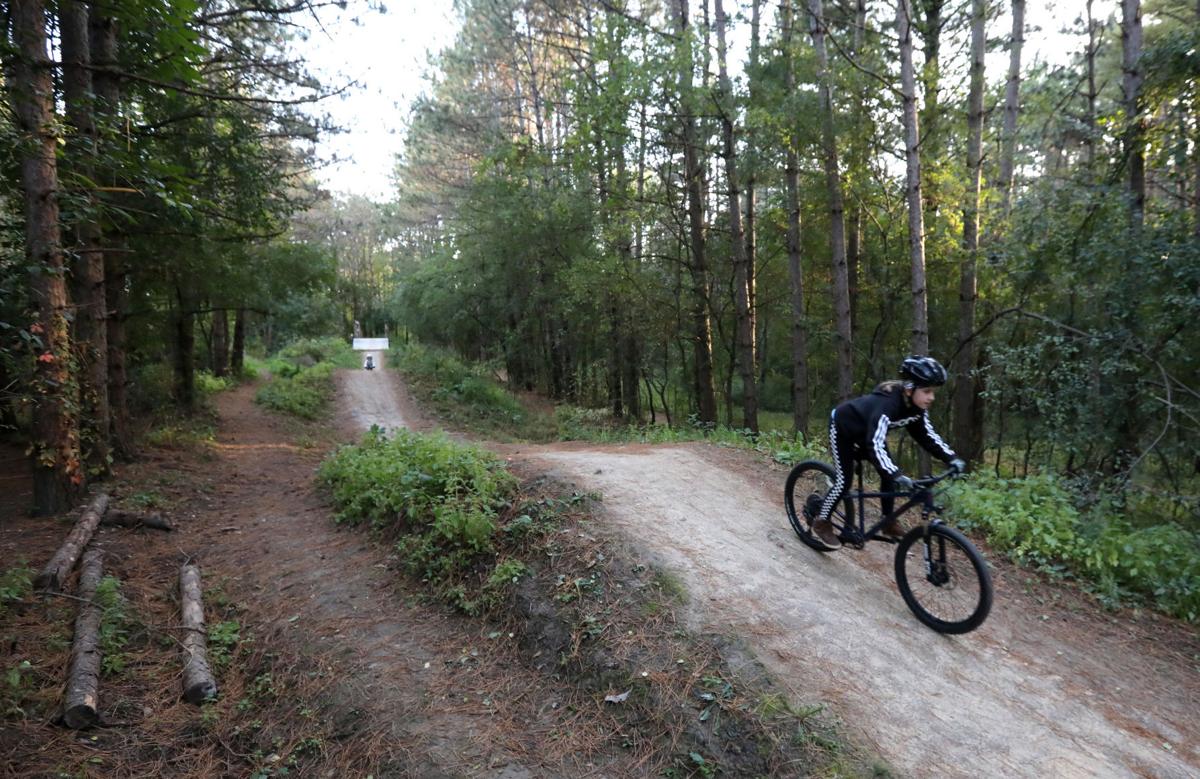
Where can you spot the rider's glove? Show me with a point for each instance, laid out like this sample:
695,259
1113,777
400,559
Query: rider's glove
958,465
903,483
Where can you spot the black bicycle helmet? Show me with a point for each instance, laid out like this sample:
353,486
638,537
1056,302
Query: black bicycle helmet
922,371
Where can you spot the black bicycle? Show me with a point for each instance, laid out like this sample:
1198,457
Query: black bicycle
942,577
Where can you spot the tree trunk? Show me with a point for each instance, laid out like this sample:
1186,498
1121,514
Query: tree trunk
968,440
80,700
1012,105
800,409
102,38
1090,64
237,357
59,568
91,306
58,474
198,682
751,164
912,156
706,396
1131,87
185,351
837,218
220,342
737,238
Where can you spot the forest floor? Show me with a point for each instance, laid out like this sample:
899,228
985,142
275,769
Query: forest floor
1050,685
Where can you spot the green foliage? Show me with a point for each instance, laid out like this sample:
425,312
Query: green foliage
305,393
115,625
223,639
15,585
207,384
1034,519
442,498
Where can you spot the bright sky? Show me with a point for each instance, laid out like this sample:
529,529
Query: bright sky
387,54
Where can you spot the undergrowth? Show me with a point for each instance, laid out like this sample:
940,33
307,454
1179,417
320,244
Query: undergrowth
302,377
1036,521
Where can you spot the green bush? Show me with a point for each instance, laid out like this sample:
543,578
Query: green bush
15,584
304,393
318,350
443,498
1034,519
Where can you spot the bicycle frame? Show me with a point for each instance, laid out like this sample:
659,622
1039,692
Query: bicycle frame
921,494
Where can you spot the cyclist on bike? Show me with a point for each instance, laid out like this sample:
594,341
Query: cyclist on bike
858,430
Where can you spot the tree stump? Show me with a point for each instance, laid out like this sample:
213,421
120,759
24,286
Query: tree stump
59,568
83,678
198,682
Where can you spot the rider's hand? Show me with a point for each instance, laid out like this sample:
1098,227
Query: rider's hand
958,465
903,483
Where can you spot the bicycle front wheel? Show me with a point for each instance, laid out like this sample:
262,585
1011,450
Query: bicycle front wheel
806,487
943,579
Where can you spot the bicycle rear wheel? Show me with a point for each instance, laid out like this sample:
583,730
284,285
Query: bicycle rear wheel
806,487
943,579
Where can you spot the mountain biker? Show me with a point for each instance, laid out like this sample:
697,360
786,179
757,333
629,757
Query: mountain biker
858,430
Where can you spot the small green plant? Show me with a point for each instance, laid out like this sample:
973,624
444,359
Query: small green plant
305,393
114,625
223,639
12,695
15,585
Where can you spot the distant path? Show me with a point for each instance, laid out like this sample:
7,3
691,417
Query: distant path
1038,691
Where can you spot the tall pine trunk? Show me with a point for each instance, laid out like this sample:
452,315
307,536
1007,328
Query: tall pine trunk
737,239
102,38
843,348
968,433
91,305
1131,87
1012,105
800,404
58,474
706,395
220,342
912,157
237,355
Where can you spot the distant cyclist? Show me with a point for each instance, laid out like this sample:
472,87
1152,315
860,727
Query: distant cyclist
858,430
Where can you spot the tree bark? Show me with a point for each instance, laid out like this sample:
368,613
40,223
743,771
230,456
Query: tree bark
80,700
237,357
1092,93
912,156
185,350
737,238
198,682
843,347
58,474
220,342
1131,85
800,405
91,305
102,38
968,439
1012,106
59,568
706,397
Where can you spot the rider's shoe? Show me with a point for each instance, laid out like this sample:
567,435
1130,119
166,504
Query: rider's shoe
824,534
892,531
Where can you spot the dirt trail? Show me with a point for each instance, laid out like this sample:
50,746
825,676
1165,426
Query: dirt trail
1038,691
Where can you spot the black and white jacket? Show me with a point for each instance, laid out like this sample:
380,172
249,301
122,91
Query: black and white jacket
865,421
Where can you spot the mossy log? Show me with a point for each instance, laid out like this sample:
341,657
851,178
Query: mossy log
59,568
198,682
83,677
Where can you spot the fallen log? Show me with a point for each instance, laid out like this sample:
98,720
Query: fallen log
83,678
59,568
132,519
198,682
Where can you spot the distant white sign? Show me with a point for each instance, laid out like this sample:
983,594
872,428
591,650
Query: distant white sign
370,344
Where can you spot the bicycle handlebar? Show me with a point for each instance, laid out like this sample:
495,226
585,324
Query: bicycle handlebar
929,481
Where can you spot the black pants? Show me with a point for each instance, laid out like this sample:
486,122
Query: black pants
847,452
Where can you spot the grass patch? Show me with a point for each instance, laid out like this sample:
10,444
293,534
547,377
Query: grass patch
1035,520
301,382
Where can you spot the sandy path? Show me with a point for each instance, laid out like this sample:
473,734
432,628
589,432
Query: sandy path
369,398
1035,692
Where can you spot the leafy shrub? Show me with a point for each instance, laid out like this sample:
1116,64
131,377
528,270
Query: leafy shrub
305,393
317,350
1033,519
208,384
114,625
442,497
15,584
